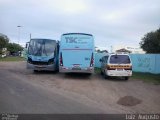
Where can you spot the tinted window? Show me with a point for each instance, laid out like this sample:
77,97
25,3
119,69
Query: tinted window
120,59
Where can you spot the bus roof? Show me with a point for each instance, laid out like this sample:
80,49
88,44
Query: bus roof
77,33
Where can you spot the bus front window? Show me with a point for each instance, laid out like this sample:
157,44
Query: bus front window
42,47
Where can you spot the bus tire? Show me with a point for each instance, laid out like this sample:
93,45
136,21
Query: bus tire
35,71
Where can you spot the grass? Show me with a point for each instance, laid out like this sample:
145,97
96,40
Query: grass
146,77
12,58
97,70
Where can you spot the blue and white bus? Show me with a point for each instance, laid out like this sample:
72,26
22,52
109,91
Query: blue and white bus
43,55
76,53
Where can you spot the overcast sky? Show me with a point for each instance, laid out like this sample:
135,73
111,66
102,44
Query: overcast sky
112,22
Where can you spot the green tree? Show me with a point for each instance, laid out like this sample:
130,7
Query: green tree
151,42
3,42
13,47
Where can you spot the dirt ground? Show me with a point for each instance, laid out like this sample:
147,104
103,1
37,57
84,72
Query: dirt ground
112,95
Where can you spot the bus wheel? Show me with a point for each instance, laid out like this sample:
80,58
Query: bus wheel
126,78
35,71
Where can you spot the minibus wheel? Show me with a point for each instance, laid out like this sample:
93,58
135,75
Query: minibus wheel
126,78
106,76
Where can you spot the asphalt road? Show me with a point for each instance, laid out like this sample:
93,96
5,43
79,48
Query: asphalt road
19,96
23,91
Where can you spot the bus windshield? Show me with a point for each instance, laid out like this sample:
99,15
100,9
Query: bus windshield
120,59
42,47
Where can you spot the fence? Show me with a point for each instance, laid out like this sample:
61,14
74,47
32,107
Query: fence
141,62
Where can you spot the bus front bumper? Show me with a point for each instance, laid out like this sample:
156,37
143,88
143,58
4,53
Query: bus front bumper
51,67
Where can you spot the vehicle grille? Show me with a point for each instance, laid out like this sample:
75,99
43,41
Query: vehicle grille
50,61
39,63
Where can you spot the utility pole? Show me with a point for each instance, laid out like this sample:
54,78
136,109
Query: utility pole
30,36
19,33
111,49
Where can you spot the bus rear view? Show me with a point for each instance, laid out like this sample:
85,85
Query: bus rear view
76,53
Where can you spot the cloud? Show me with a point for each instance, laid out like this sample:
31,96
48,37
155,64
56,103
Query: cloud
70,6
110,21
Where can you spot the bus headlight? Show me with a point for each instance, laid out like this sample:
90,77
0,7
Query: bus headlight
29,60
51,61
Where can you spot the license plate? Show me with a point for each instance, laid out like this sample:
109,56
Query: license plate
76,68
40,66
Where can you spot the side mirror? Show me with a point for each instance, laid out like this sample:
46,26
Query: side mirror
100,60
26,46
